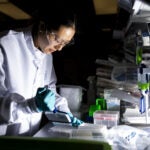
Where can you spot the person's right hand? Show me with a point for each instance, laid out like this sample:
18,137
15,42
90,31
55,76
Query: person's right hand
45,99
74,121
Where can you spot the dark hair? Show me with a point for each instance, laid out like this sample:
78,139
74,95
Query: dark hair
55,21
52,21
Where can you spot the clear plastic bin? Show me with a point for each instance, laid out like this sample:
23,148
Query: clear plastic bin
108,118
73,94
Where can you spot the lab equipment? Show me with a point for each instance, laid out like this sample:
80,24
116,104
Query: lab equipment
60,116
74,121
45,99
100,105
122,95
132,115
73,94
113,103
65,130
106,117
143,78
143,83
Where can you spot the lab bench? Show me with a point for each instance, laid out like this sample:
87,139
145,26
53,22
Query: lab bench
89,136
55,136
36,143
77,138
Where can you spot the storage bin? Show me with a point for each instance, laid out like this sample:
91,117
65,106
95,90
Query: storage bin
105,117
73,94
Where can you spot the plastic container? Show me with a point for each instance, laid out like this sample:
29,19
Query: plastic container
73,94
113,103
100,105
108,118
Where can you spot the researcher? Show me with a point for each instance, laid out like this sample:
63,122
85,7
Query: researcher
27,76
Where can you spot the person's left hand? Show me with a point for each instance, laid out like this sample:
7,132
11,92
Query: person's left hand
74,121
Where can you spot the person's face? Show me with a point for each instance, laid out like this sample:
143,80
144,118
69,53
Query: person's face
55,41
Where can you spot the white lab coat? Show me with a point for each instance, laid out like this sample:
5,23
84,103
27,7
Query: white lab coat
23,68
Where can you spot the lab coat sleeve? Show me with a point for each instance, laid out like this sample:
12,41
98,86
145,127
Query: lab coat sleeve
7,102
11,104
61,102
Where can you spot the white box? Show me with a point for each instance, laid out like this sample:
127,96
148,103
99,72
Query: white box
108,118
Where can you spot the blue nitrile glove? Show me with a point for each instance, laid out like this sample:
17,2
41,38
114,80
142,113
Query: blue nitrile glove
45,99
75,122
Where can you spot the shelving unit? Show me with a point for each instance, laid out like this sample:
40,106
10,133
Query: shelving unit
137,32
137,50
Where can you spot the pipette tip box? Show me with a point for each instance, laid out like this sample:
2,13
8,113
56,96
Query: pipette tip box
105,117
